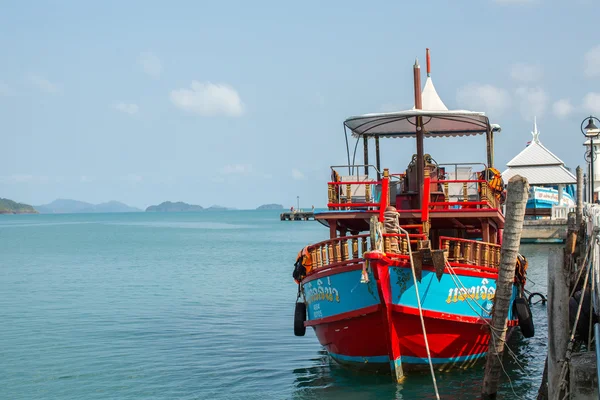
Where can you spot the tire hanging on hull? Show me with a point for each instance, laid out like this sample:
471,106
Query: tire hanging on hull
299,318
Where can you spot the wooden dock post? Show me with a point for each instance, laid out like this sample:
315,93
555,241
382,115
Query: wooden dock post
517,192
579,196
558,317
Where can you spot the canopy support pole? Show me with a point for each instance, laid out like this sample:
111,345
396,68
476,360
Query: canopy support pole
377,158
419,133
489,140
366,154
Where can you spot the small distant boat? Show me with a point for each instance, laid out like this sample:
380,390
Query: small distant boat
408,275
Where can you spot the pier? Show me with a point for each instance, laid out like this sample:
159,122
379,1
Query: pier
550,225
298,216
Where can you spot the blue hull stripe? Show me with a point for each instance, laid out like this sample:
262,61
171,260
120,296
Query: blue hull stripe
361,359
405,359
417,360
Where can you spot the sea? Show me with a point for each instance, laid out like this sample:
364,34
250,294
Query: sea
191,306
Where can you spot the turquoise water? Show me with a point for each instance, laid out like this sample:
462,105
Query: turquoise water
187,306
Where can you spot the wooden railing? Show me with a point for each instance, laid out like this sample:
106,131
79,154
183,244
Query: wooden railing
396,243
471,252
339,250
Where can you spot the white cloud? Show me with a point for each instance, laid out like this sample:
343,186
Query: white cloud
44,84
592,62
591,102
128,108
27,178
297,174
532,102
209,99
151,64
525,73
18,178
562,108
493,100
235,169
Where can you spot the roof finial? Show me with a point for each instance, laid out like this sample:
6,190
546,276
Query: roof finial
535,133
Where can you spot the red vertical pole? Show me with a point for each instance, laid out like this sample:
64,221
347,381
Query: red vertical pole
425,202
385,188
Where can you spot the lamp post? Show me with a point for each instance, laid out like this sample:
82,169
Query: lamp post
298,200
591,131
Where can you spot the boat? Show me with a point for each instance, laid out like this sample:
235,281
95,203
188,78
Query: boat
407,279
547,197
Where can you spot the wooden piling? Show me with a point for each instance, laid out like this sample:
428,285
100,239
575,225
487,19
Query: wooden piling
558,317
517,192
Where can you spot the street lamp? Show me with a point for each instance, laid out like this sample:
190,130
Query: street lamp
591,131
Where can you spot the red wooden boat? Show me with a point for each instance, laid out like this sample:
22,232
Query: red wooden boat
408,276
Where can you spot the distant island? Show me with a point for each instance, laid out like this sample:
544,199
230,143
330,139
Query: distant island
12,207
270,207
179,206
219,208
68,206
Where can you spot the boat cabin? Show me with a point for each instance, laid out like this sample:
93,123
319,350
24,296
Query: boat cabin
455,207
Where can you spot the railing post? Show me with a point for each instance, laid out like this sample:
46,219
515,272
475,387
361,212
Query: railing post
354,248
348,193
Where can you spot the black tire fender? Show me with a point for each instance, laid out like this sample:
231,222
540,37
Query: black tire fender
299,318
521,308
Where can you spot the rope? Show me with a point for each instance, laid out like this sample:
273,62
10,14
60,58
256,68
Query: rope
437,393
565,362
455,277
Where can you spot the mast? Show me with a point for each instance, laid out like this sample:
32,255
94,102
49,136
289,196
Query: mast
419,128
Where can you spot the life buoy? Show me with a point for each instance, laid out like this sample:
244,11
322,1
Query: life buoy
495,183
303,265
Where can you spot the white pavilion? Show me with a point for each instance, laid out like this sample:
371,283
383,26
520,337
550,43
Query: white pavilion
545,172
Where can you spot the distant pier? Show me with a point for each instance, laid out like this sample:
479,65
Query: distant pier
298,216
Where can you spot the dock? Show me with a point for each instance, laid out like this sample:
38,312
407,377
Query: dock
298,216
549,228
573,272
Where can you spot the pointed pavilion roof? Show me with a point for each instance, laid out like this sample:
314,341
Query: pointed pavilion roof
538,164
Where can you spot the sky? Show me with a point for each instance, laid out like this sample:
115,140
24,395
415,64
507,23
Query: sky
242,103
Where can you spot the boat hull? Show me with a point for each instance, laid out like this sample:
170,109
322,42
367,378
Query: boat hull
377,324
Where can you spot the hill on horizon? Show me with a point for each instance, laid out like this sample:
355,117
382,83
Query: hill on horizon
178,206
68,206
8,206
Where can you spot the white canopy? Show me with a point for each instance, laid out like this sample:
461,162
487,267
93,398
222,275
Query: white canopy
403,123
437,120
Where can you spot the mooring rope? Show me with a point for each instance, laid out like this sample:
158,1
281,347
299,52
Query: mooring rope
567,358
412,268
455,277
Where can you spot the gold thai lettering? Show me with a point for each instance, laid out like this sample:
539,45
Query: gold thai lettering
482,292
